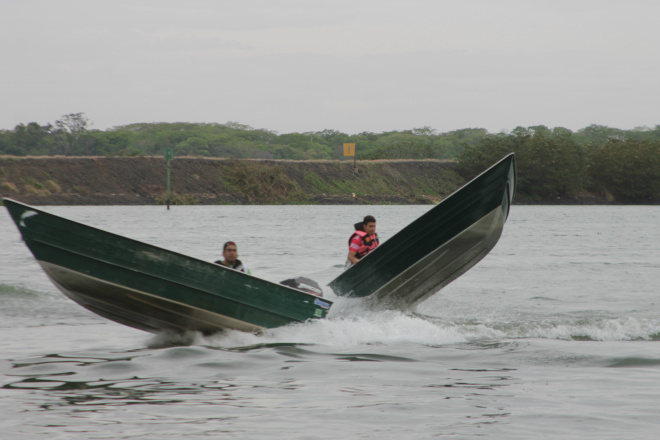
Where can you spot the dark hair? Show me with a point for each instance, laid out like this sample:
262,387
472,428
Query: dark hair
229,243
369,219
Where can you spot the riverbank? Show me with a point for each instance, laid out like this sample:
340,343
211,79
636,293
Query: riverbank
143,181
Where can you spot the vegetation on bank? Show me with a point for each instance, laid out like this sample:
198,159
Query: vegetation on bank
326,182
621,165
552,165
142,181
72,136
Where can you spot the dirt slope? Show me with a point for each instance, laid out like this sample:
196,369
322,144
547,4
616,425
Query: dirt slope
142,181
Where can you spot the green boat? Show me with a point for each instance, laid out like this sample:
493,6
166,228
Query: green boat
154,289
438,247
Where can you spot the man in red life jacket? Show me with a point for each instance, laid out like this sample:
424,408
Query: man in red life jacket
230,254
363,240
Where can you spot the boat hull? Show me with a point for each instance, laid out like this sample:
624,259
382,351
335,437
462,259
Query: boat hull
154,289
139,309
438,247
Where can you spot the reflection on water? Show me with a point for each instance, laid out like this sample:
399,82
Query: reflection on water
218,376
245,390
250,390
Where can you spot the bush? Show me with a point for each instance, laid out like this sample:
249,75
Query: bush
628,169
549,165
260,182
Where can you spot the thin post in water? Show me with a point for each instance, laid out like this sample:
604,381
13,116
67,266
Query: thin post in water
169,155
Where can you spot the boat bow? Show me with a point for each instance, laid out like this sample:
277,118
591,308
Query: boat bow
438,247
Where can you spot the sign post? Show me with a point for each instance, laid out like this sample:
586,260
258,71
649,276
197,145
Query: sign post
169,155
349,150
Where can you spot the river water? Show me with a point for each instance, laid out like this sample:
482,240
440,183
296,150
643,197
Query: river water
555,334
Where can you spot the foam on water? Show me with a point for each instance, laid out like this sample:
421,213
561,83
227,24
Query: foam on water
355,326
352,323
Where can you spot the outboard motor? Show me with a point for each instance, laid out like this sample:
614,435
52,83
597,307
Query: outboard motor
304,284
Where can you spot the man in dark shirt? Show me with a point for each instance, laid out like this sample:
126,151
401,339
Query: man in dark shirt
230,255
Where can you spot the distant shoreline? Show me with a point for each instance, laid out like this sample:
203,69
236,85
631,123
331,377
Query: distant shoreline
201,181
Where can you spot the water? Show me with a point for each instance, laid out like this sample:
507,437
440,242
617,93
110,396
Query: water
556,334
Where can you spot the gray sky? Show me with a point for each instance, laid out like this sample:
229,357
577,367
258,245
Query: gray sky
352,66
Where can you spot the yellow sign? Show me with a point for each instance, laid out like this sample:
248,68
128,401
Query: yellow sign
349,149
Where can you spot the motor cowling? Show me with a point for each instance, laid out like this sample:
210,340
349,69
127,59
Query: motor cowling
304,284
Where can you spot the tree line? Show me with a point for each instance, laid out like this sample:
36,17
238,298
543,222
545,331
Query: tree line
71,136
552,162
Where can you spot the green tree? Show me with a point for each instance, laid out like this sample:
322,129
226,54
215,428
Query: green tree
69,130
627,169
548,166
599,134
32,139
192,146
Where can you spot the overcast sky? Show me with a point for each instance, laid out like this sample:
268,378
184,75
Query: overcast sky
352,66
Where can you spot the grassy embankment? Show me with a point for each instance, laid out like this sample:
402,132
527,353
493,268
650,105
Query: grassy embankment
141,180
327,181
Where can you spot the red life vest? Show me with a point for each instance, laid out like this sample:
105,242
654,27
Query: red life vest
368,243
